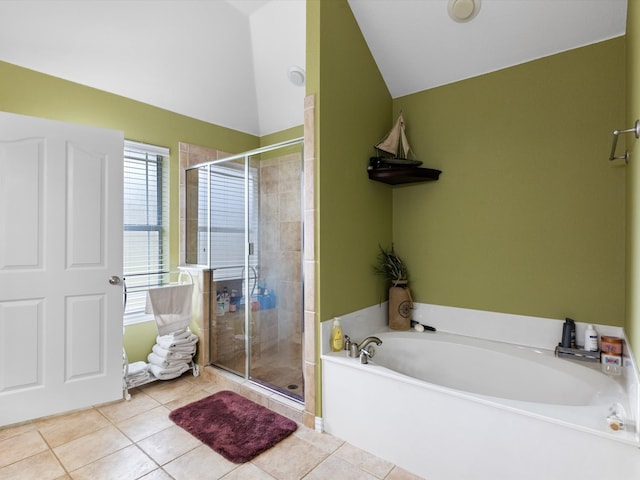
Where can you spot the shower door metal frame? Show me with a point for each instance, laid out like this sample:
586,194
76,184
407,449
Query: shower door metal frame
246,157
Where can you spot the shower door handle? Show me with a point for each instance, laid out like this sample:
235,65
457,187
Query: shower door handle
114,280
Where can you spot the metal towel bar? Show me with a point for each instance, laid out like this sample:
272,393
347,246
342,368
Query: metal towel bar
636,132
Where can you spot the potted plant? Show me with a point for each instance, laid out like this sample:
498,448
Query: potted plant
392,268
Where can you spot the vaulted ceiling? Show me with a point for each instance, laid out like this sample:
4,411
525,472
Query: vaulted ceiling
226,61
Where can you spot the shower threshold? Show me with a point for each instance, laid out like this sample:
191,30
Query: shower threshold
277,402
234,380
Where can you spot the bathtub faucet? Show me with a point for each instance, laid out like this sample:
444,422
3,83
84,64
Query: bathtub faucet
365,353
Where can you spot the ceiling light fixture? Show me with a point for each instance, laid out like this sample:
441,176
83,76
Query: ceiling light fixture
296,75
463,10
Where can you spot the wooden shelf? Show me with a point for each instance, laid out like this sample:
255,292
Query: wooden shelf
403,175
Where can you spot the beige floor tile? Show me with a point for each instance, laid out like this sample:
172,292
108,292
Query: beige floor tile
168,444
217,387
170,390
129,463
399,474
91,447
202,462
364,460
42,466
201,380
65,428
8,432
139,403
158,474
336,467
248,471
146,424
21,446
186,399
292,458
96,444
326,442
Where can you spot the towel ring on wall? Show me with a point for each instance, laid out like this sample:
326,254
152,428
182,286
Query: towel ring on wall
636,132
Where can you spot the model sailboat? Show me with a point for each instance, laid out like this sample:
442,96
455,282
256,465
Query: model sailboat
392,165
394,148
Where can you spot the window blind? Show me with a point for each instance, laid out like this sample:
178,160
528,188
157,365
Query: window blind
222,227
146,262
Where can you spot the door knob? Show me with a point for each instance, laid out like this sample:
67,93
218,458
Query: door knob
114,280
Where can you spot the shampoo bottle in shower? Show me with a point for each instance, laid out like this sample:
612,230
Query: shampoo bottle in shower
337,339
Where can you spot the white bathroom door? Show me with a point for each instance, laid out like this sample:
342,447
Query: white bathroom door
60,244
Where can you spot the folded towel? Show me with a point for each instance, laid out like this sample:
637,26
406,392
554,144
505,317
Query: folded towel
164,363
171,307
168,343
175,353
168,373
184,333
138,380
136,368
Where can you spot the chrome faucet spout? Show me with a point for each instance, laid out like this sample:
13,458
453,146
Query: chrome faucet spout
365,353
369,340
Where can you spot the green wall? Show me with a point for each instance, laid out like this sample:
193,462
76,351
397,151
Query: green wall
353,112
282,136
528,216
633,177
28,92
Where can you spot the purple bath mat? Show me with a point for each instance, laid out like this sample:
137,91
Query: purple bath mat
236,428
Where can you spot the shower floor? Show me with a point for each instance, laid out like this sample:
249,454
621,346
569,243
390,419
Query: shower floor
279,368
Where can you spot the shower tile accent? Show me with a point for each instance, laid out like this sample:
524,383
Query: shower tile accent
309,248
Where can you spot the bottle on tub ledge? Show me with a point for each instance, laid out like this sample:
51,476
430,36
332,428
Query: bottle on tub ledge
569,333
337,339
590,339
569,348
611,355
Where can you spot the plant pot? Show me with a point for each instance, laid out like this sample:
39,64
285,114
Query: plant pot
400,306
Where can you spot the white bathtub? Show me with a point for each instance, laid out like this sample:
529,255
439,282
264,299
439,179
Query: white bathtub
447,406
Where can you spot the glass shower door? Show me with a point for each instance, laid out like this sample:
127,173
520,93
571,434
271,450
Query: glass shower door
249,232
276,346
234,277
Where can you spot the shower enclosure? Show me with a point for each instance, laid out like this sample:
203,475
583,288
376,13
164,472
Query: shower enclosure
244,222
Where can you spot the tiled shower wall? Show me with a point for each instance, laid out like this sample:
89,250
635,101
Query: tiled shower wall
280,247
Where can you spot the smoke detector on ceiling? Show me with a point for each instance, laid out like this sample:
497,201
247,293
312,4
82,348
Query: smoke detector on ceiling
463,10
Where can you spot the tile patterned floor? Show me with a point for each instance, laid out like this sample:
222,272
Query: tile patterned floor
136,440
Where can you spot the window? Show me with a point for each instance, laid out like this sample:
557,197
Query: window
146,252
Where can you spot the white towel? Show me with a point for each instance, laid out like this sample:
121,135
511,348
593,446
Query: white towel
185,333
137,374
164,363
137,368
175,353
170,343
138,380
168,373
171,307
